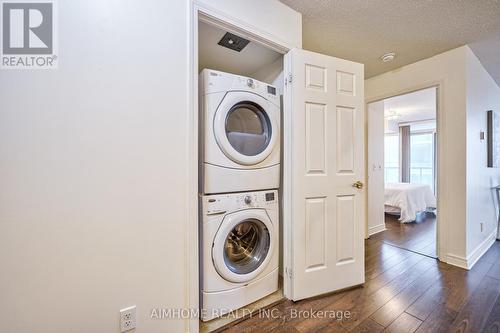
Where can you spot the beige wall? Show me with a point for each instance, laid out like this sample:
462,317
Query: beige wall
482,94
447,70
94,168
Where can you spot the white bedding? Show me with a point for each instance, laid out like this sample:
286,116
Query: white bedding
410,199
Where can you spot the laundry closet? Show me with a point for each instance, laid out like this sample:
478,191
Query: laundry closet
280,169
240,105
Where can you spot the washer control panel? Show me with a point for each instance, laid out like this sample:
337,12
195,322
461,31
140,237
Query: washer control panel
219,204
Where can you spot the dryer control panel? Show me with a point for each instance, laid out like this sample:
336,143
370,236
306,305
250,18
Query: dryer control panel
226,203
213,81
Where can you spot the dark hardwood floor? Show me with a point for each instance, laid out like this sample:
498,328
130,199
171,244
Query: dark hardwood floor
404,292
419,237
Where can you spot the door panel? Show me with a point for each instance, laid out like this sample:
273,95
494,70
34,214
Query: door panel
325,146
315,233
346,228
345,139
315,77
315,138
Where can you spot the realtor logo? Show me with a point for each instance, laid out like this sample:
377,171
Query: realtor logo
28,35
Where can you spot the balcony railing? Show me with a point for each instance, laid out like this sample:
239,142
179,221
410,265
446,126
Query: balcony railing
418,175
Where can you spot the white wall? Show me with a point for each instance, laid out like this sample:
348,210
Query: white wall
270,18
375,167
93,200
272,74
94,168
448,70
482,94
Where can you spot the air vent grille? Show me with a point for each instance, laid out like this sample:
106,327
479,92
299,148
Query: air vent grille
233,42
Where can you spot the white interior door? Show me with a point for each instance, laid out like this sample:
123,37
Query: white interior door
324,160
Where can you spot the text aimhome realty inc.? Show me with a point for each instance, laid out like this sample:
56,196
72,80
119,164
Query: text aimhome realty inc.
274,313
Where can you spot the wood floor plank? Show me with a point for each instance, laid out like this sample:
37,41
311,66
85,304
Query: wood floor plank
383,253
368,326
430,250
387,276
428,302
494,272
439,291
419,237
493,254
492,324
388,264
363,305
457,292
475,312
396,306
405,323
463,289
455,299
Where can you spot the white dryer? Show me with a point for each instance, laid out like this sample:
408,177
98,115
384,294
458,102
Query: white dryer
240,133
239,248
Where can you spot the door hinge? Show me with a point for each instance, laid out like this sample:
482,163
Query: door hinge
289,79
289,273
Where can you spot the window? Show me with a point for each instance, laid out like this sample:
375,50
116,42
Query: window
422,158
392,159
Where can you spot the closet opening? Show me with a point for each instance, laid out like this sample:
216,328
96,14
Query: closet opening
240,89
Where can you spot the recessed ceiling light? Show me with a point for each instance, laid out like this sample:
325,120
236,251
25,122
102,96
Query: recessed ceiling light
388,57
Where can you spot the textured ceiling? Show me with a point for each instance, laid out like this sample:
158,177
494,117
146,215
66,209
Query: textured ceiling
363,30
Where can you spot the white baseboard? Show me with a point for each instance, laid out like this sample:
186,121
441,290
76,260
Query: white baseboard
476,254
455,260
376,229
481,249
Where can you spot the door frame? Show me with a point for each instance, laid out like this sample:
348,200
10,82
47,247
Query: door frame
441,230
201,12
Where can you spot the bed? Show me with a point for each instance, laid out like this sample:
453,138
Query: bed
408,200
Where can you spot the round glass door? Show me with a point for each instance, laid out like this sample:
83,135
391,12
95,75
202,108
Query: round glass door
248,128
246,246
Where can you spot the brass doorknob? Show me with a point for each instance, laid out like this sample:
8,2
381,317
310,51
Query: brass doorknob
359,185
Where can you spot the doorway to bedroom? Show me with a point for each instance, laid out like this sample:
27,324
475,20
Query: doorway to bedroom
402,171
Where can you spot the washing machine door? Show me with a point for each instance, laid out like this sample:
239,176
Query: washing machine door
246,127
243,245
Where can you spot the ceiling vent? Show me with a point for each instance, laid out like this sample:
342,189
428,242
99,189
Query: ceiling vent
233,42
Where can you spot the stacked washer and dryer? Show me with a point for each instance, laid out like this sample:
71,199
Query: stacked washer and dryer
240,175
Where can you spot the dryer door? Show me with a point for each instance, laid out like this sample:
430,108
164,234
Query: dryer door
243,245
246,127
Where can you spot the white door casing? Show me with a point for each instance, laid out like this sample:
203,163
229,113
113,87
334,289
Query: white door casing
376,167
325,116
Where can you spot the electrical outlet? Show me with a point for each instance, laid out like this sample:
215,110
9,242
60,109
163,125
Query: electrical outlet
128,319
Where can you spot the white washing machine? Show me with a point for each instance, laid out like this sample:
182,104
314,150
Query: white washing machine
240,129
239,250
